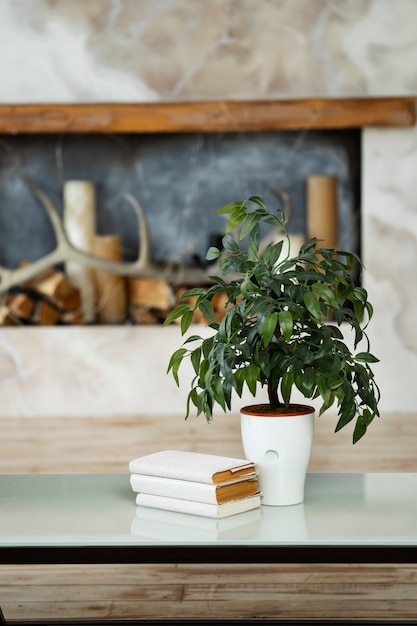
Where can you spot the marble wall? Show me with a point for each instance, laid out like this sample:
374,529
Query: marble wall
138,50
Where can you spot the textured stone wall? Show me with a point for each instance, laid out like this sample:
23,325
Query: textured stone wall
138,50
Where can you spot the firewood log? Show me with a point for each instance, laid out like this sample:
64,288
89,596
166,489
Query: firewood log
72,317
80,225
45,314
20,305
151,293
7,318
111,293
143,315
55,285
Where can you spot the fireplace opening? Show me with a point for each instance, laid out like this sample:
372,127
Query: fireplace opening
179,180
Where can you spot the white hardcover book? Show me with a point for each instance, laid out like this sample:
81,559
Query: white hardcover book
200,492
199,508
194,466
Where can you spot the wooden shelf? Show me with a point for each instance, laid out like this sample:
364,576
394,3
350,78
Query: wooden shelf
231,116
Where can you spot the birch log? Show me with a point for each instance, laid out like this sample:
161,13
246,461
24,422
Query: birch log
80,225
322,210
111,291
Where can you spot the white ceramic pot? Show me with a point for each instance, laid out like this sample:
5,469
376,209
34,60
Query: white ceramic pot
280,446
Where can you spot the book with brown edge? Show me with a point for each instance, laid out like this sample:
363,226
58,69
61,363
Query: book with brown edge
191,490
199,508
193,466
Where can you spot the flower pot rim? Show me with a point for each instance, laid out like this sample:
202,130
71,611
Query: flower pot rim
264,410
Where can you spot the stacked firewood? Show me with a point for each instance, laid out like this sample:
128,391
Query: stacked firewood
151,300
51,299
46,300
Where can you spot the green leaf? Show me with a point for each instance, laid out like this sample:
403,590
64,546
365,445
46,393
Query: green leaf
248,288
348,408
193,338
175,362
286,324
323,291
176,313
239,380
308,382
234,220
312,305
207,346
258,200
195,359
186,321
192,398
324,389
248,225
207,310
230,244
360,429
309,246
359,310
268,328
225,327
360,294
254,241
286,386
212,253
229,208
366,357
218,280
275,252
232,264
251,377
362,424
362,375
219,393
195,291
328,402
369,309
204,366
335,331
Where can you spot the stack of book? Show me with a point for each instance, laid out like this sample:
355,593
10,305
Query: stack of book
190,482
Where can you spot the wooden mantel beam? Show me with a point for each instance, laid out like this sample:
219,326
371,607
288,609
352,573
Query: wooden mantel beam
231,116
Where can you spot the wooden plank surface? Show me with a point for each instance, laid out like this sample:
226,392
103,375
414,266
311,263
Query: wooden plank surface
195,591
209,116
105,445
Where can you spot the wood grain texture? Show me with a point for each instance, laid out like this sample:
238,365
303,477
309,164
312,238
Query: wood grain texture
105,445
207,116
195,591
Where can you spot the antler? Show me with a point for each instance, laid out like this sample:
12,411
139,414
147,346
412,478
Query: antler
65,251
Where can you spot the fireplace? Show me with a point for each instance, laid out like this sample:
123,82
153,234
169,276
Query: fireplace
178,178
95,370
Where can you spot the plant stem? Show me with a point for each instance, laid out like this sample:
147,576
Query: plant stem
273,397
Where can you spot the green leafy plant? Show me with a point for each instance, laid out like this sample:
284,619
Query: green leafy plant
282,324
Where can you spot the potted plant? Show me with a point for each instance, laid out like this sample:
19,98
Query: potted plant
282,329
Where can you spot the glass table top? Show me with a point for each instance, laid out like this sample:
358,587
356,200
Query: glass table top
100,510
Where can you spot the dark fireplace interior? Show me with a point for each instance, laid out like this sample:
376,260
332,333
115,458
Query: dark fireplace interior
180,180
